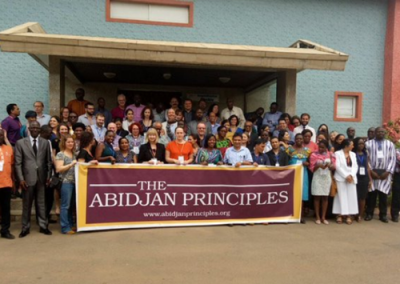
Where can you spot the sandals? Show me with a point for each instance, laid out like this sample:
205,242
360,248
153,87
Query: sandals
349,221
339,219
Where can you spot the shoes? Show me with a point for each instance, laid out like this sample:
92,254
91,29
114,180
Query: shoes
395,219
318,222
8,236
349,221
368,218
325,222
384,219
302,221
69,233
45,231
24,233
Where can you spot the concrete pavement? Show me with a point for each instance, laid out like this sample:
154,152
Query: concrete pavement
360,253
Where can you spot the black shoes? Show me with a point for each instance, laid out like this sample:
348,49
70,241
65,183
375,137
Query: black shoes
8,236
395,219
368,218
384,219
24,233
45,231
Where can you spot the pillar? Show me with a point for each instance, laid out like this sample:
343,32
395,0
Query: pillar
391,92
56,85
286,91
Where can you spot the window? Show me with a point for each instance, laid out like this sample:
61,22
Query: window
348,106
152,12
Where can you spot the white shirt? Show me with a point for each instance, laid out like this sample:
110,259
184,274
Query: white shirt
44,119
300,129
226,113
37,141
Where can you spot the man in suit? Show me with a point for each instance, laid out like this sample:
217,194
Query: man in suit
33,169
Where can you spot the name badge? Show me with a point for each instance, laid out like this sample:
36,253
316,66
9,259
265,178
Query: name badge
362,171
1,166
380,155
277,164
181,159
136,150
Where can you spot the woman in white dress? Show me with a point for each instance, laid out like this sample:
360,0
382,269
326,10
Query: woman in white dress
322,162
345,203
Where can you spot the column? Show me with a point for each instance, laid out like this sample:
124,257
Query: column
391,93
56,85
286,91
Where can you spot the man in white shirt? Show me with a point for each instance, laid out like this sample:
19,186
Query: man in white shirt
233,110
42,118
238,155
88,118
170,125
212,118
98,129
305,119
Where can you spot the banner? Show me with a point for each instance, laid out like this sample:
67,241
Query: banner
142,196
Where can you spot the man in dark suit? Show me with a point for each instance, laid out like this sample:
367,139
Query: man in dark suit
33,169
252,132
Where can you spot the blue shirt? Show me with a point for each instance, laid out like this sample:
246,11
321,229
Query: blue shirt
214,128
261,159
98,132
271,119
233,156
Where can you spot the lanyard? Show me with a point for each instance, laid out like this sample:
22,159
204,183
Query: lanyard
99,132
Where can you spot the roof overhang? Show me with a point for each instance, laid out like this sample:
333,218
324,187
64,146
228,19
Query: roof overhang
32,39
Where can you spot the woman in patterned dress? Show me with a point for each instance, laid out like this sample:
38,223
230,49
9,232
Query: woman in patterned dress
209,154
299,155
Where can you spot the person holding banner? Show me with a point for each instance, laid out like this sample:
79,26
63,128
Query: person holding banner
299,155
238,155
152,152
277,156
209,154
259,157
124,155
105,150
179,151
321,164
345,202
65,165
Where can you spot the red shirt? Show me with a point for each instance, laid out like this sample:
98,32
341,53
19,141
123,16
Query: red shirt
118,112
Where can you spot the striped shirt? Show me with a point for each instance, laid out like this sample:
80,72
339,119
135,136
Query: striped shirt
386,160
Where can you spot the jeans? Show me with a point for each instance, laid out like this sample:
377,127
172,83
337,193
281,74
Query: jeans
67,200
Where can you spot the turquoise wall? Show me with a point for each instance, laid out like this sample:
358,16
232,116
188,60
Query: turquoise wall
355,27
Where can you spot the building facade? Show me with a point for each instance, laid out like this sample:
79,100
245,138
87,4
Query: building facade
366,88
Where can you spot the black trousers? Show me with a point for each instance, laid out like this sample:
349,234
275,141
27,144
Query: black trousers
5,204
395,208
371,203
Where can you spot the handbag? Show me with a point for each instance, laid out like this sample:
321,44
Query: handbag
333,191
55,182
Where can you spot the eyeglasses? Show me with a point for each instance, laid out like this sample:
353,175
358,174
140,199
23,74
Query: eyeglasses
73,116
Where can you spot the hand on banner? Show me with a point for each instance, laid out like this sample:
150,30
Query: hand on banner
255,164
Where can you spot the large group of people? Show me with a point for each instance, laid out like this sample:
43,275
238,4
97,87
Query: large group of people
37,159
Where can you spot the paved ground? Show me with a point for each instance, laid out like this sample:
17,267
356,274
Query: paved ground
361,253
